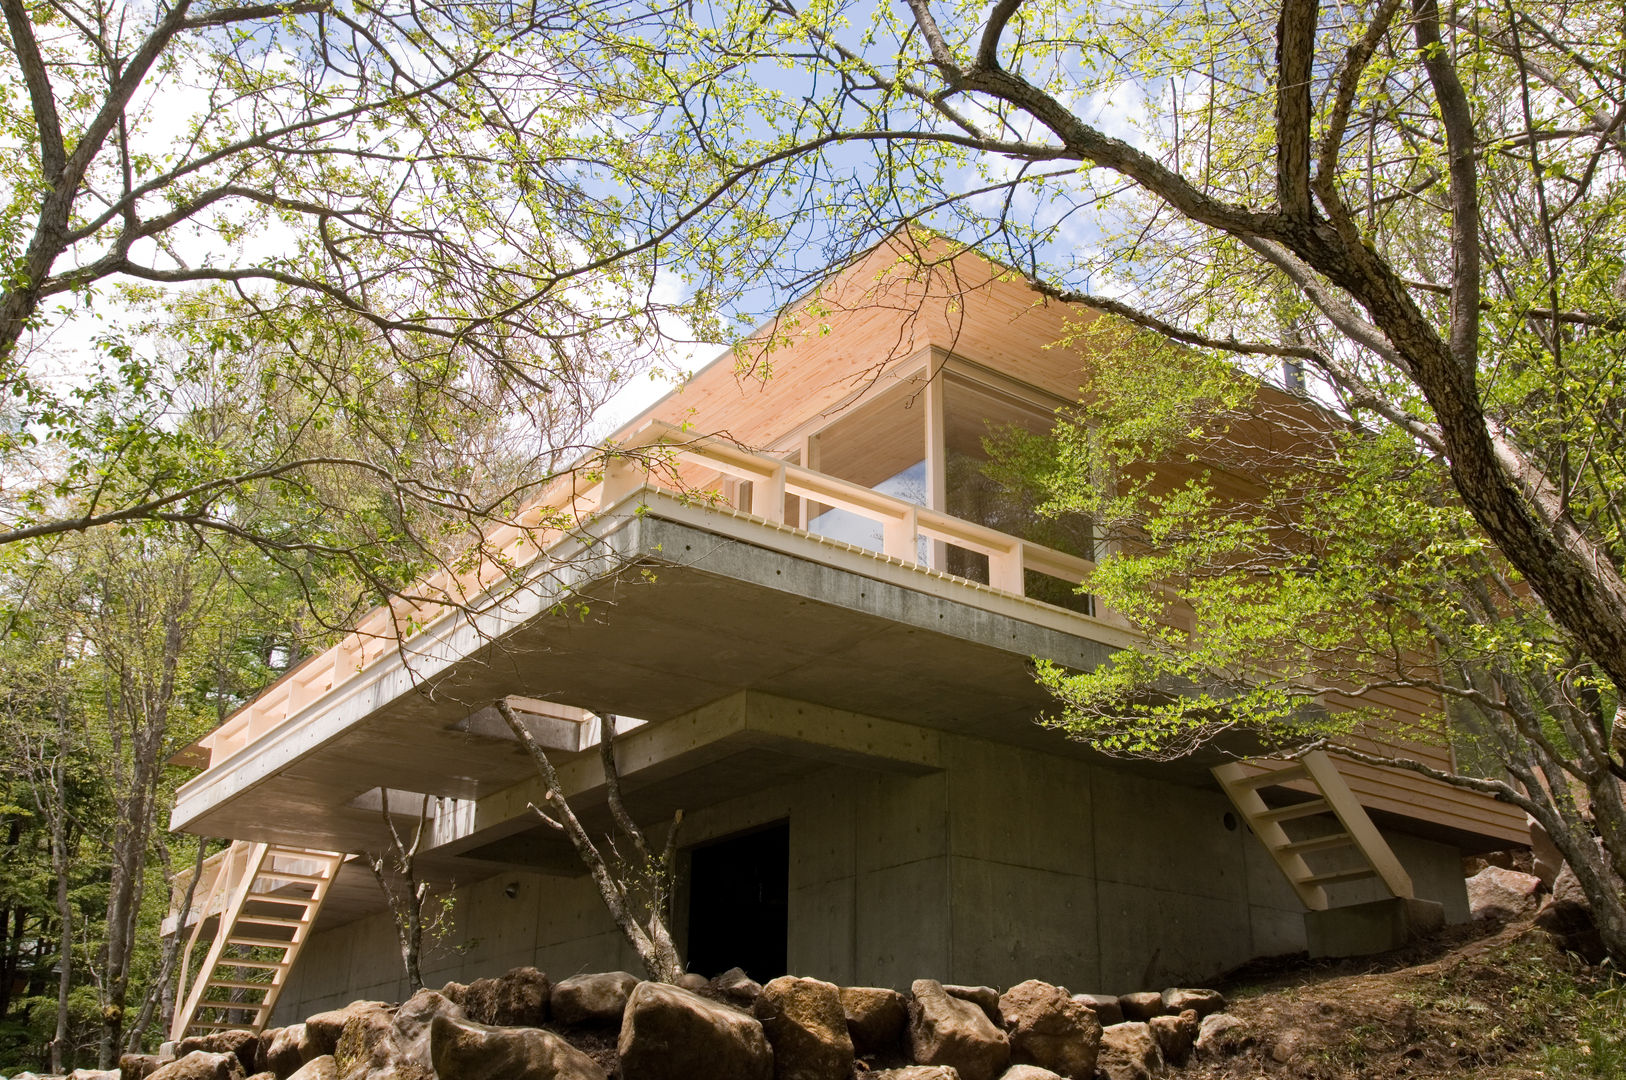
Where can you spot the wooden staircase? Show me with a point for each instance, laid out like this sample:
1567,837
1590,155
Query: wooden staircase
262,900
1354,831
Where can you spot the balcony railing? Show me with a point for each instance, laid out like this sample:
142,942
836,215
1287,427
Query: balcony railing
658,456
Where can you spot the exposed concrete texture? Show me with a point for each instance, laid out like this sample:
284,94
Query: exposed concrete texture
1373,927
1003,863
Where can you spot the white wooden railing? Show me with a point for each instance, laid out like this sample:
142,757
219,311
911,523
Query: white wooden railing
652,457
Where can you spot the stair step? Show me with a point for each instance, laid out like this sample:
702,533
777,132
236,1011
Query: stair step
261,943
238,1006
289,875
1334,877
1295,810
1317,843
269,920
239,984
214,1027
306,902
1284,775
263,965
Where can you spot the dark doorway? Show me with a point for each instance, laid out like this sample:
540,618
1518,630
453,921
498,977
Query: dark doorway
739,904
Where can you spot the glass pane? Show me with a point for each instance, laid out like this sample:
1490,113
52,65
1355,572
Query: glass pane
908,485
976,419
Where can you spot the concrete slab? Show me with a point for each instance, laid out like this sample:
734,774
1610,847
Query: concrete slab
1374,927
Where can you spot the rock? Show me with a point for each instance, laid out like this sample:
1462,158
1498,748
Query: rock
94,1074
266,1075
985,998
318,1068
876,1018
670,1033
1129,1052
1177,1000
690,980
1545,859
364,1041
805,1024
138,1066
1048,1028
737,986
461,1049
948,1030
322,1031
1175,1035
1142,1006
410,1032
1495,893
1029,1072
280,1051
522,998
480,1001
591,999
915,1072
202,1065
1568,917
1221,1035
1104,1006
245,1044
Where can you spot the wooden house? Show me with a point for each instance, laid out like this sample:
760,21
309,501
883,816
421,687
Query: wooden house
826,626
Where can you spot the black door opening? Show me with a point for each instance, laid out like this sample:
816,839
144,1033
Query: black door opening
739,904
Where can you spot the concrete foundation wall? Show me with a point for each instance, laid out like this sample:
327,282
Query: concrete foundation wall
1006,864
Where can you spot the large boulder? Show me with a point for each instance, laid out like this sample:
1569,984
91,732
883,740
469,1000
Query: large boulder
280,1050
1029,1072
1104,1006
1177,999
807,1028
915,1072
1129,1052
1142,1005
318,1068
947,1030
597,1000
245,1044
322,1031
1495,893
738,987
202,1065
1175,1035
410,1032
985,998
364,1044
1048,1028
1567,915
669,1033
1221,1035
522,998
516,999
461,1049
139,1066
876,1018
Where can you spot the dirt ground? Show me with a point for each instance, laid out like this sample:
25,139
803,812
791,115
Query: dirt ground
1491,1002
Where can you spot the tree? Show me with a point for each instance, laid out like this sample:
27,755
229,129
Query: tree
1418,205
636,887
410,212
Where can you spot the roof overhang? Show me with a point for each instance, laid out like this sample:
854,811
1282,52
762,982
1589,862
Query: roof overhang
663,608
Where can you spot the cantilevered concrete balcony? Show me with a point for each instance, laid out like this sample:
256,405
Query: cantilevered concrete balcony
752,649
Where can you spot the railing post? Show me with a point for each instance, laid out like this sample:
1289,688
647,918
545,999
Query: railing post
773,496
898,535
1007,571
622,476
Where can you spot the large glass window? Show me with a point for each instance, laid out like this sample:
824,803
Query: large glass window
881,444
977,418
